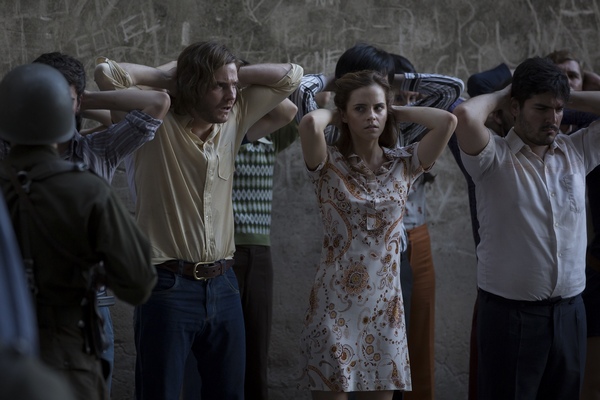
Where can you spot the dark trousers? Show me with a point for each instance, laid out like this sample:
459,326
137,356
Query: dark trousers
530,350
254,271
473,356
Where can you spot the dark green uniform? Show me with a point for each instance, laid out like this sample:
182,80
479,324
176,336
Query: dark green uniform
86,217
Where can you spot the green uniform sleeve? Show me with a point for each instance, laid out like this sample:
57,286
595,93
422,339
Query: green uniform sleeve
126,253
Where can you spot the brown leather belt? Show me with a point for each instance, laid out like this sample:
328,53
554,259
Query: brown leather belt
197,271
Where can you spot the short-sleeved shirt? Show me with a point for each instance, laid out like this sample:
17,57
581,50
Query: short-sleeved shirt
532,214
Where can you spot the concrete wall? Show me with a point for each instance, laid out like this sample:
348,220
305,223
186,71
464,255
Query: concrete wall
454,37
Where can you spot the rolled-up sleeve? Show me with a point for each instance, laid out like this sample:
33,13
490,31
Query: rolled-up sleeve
304,96
257,100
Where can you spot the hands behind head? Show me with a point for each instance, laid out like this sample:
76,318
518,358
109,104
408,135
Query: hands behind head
170,74
591,81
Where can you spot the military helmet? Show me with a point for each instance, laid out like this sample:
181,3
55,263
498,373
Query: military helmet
36,106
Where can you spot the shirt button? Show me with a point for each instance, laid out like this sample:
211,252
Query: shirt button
552,194
556,224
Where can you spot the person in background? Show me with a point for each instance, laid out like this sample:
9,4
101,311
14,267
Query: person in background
187,173
71,240
354,338
531,256
440,92
252,197
580,79
500,121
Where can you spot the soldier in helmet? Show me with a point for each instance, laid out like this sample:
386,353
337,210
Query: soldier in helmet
66,236
104,149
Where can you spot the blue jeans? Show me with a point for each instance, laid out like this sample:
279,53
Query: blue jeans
254,272
183,315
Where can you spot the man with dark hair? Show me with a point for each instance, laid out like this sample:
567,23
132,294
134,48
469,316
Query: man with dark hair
73,71
530,188
103,151
579,78
403,65
436,91
70,240
358,57
570,65
186,172
362,55
500,121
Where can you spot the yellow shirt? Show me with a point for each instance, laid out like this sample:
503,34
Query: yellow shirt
183,184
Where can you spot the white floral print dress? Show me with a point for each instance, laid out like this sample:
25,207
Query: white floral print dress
354,336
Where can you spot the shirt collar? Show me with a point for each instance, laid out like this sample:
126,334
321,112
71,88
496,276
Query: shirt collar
185,120
357,163
516,144
72,148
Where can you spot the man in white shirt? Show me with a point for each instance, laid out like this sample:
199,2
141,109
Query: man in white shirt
530,188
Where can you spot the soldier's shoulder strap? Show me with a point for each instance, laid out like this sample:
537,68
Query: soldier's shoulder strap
43,170
21,182
54,167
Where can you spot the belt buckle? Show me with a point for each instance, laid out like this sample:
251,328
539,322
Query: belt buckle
195,272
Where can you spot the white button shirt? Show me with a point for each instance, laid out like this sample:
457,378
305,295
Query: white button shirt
532,214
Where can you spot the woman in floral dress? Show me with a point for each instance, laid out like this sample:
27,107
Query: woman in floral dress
354,337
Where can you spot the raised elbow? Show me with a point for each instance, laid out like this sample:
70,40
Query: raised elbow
308,124
290,110
161,105
452,122
461,113
102,77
